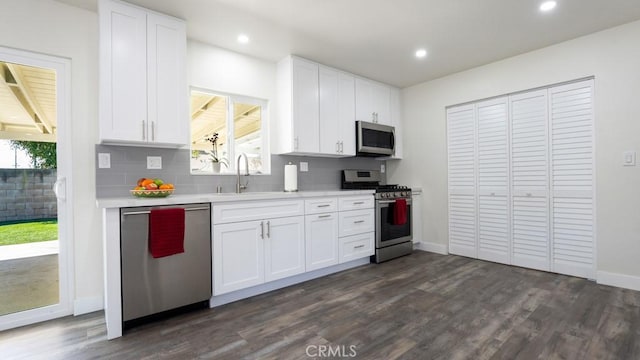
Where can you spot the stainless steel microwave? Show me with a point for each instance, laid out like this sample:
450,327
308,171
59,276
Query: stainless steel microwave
375,139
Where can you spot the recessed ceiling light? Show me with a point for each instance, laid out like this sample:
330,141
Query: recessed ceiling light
548,5
243,39
420,53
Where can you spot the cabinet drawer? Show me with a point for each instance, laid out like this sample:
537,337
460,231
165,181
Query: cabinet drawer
356,222
320,205
256,210
355,203
356,246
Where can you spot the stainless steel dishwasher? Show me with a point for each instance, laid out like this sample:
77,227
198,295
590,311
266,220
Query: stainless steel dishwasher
154,285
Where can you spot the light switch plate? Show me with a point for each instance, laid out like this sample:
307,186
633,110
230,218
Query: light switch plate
154,162
304,166
104,160
629,158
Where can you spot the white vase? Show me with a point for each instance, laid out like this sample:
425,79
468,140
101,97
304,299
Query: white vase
216,167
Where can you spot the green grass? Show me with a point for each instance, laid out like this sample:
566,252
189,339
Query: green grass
28,232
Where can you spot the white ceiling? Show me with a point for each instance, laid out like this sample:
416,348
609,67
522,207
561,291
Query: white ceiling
377,38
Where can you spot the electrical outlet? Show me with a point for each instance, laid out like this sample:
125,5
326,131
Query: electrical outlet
383,168
304,166
629,158
104,160
154,162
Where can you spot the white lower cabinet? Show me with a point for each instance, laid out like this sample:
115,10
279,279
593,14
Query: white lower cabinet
356,246
284,247
256,242
238,256
255,251
321,241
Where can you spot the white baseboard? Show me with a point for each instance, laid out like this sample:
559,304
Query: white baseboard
431,247
619,280
278,284
87,305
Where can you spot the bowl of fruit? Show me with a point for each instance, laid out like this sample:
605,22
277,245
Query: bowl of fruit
152,188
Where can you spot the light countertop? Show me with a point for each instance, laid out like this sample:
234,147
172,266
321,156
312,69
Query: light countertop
131,201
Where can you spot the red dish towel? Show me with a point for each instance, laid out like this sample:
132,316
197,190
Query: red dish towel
400,212
166,232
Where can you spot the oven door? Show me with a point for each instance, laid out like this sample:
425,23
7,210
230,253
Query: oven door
386,232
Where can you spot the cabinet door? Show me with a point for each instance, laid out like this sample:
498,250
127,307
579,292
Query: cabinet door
306,113
493,181
123,73
167,84
321,233
284,250
347,114
329,116
380,99
364,101
572,184
530,180
238,256
396,120
356,246
462,181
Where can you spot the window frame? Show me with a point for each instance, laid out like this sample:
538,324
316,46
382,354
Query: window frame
230,127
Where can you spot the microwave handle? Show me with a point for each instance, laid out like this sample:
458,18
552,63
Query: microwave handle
393,140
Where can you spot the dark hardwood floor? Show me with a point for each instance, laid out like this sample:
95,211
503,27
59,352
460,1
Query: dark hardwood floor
423,306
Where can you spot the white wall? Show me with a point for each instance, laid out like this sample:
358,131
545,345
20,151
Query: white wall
613,57
56,29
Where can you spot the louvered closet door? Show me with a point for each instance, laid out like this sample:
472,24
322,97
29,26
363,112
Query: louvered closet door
572,159
462,181
529,186
493,181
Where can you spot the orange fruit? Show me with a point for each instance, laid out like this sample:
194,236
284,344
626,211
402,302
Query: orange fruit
164,187
146,182
170,185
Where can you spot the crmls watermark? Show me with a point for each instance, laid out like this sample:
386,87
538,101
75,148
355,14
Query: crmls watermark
320,351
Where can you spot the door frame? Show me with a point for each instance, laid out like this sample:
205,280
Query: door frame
64,188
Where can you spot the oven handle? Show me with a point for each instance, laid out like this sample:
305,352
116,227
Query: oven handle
391,201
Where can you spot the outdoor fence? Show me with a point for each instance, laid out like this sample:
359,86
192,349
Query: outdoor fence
27,194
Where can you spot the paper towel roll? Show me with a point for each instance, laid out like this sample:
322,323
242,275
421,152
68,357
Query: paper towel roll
290,177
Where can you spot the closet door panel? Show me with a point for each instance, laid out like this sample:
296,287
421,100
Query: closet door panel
530,244
462,180
572,185
493,180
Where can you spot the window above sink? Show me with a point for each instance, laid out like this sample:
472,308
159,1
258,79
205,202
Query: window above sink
223,126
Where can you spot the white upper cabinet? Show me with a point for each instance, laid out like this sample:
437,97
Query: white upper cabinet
319,105
299,106
373,102
337,112
143,87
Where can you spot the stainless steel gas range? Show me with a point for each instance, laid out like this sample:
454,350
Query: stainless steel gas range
393,204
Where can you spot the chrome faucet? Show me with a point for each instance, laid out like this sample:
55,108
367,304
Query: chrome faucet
240,187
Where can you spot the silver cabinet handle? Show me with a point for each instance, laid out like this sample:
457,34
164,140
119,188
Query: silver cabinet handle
358,247
341,147
324,205
324,216
268,229
262,229
358,221
149,212
337,146
358,202
295,143
144,130
153,131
